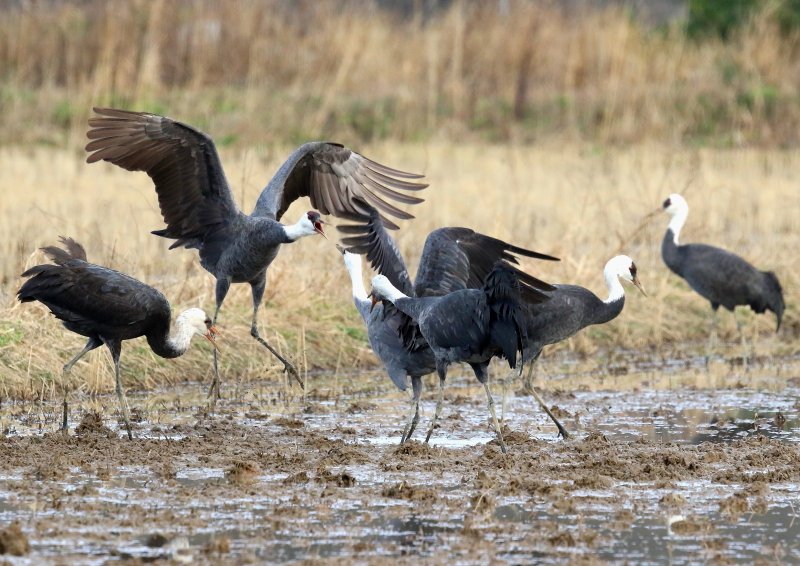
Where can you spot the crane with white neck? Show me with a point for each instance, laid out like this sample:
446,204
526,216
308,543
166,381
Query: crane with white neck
453,258
721,277
571,308
200,212
471,325
108,307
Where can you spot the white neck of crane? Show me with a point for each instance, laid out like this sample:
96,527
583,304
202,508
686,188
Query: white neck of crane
353,264
615,289
391,292
676,223
296,231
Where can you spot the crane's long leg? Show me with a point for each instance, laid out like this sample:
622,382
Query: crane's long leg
743,341
223,284
532,390
527,383
561,430
116,347
712,337
90,345
413,416
441,370
483,377
258,295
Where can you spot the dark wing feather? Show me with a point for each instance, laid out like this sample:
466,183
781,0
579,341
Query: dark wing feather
459,258
457,320
73,250
338,181
92,296
193,193
371,238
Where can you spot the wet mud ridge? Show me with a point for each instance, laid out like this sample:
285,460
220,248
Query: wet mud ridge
681,475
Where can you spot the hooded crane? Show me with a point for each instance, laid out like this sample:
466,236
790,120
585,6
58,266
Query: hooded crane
452,259
718,275
198,206
471,325
570,309
108,307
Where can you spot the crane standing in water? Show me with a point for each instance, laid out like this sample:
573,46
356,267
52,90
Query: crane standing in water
107,307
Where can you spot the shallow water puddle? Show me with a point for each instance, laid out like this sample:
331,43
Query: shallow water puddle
651,476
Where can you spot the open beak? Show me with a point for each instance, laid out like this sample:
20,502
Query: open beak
318,228
639,285
211,336
375,301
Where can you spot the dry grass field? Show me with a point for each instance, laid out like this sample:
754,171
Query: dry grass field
272,71
581,204
621,113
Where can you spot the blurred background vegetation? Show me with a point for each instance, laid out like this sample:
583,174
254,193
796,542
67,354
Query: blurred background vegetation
710,72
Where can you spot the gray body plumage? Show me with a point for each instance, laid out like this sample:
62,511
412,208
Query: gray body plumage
385,337
570,308
723,278
456,325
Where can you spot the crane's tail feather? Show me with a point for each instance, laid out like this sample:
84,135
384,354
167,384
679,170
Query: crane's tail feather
72,250
774,296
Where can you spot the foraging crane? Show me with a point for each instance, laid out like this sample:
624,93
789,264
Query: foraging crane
718,275
108,307
452,259
570,309
471,325
198,206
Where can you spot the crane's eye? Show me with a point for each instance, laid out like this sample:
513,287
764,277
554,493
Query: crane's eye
667,203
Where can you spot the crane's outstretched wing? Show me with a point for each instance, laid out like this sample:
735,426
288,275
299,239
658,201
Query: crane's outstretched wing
193,193
459,258
338,181
369,237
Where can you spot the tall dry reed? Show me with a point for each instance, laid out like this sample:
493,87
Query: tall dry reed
276,71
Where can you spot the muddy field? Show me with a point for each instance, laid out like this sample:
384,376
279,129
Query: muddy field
680,462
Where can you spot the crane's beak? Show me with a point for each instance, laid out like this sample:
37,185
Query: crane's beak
318,228
639,285
375,300
211,336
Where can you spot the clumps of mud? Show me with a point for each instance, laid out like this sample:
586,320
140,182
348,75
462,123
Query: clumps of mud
404,490
691,526
289,422
242,471
92,423
13,541
672,500
342,479
734,505
298,478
